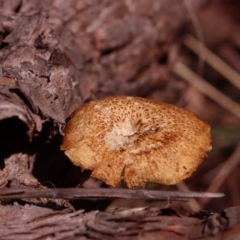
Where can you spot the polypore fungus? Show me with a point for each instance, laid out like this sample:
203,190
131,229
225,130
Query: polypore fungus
136,139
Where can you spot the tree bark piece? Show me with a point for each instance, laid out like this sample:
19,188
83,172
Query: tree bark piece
38,222
111,48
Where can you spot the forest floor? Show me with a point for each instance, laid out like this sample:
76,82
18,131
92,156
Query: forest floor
56,56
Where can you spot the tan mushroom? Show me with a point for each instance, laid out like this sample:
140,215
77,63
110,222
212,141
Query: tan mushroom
136,139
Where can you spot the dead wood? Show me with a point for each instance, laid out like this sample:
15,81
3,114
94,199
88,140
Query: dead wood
38,222
34,74
106,44
73,193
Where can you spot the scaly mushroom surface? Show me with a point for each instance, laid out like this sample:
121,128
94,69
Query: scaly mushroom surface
136,139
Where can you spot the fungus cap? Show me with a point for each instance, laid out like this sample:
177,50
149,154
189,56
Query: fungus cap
136,139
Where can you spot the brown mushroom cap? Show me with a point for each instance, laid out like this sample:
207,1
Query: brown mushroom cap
137,139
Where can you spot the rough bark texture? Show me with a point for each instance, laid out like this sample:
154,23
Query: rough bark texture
55,55
43,223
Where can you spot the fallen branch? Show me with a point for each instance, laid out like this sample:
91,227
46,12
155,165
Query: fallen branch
79,193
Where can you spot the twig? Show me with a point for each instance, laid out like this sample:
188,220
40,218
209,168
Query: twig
217,63
193,204
80,193
183,71
198,30
225,170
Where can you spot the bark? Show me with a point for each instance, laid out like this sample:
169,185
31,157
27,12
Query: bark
32,222
56,55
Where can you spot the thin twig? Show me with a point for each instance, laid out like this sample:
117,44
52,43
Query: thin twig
198,30
184,72
225,171
193,204
79,193
213,60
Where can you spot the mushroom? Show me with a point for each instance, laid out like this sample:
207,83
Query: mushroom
136,139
